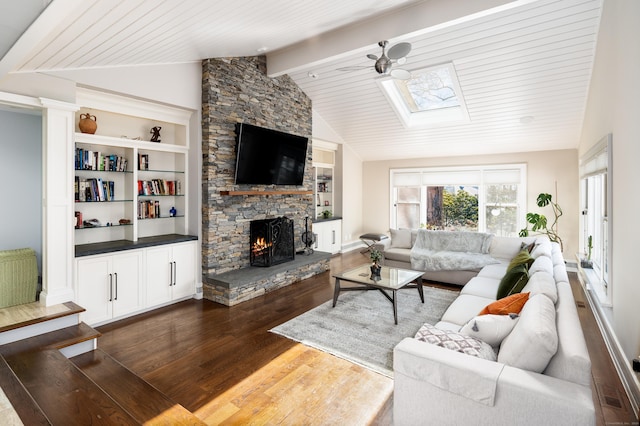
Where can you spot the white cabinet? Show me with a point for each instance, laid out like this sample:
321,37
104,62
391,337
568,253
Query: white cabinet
328,235
170,272
109,286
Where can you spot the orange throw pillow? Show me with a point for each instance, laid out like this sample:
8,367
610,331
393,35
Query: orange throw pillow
507,305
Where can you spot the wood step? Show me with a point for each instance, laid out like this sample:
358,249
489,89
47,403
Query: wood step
143,401
58,339
32,319
24,405
63,392
15,317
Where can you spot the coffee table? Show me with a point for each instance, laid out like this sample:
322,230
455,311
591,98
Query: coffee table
391,280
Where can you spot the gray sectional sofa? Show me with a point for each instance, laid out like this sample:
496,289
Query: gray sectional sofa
539,371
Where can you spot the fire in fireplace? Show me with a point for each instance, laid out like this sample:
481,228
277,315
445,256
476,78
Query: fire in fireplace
271,241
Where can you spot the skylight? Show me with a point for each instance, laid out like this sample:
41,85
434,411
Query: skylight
431,96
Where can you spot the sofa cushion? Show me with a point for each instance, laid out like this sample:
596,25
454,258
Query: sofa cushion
507,305
506,247
542,248
542,283
465,307
399,254
571,362
513,281
455,341
491,329
542,263
400,238
495,270
534,339
481,286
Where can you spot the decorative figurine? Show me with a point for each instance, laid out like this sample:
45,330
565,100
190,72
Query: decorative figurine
155,131
172,212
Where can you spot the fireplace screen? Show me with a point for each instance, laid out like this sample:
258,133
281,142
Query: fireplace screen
271,241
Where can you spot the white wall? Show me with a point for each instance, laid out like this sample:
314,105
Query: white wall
614,106
544,169
21,177
351,196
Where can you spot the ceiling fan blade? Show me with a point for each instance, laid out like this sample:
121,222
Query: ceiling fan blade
400,74
399,50
372,56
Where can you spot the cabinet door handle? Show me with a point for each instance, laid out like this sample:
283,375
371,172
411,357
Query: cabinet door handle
316,238
170,274
110,287
175,268
116,275
333,237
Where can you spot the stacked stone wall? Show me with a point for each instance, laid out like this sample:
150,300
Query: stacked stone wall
236,90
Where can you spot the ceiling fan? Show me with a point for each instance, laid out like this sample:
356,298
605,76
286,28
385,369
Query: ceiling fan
384,65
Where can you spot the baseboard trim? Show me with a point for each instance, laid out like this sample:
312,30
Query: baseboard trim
627,376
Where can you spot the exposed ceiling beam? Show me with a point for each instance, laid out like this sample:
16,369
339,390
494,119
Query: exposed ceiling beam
415,19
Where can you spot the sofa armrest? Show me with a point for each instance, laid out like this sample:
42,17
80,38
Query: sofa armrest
521,397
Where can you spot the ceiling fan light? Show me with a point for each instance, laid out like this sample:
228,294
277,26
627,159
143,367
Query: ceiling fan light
400,74
383,65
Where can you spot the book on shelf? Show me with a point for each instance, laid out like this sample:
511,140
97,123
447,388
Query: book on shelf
95,189
143,161
158,187
96,160
148,209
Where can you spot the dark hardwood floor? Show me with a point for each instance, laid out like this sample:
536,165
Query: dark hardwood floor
222,364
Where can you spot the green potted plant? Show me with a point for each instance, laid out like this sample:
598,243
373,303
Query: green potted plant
539,222
326,214
588,263
376,257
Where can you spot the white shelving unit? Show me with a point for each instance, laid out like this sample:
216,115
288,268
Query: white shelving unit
123,125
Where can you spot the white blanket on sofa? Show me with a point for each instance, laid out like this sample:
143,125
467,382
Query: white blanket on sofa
451,251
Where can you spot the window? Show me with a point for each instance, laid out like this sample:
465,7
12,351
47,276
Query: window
431,96
479,198
596,204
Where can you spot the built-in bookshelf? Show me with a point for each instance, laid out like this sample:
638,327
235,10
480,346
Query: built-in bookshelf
126,186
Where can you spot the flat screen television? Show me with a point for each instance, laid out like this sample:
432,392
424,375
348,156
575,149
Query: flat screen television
269,157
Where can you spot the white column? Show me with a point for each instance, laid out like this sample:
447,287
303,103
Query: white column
58,124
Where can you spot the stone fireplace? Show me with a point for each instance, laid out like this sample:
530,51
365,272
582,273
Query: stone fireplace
238,90
271,241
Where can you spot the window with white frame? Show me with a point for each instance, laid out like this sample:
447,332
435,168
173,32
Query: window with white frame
595,194
488,198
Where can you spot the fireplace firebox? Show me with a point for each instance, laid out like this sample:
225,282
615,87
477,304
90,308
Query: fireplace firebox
271,241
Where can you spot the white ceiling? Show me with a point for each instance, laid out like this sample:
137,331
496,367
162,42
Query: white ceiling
514,59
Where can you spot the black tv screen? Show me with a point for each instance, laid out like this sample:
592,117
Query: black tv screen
269,157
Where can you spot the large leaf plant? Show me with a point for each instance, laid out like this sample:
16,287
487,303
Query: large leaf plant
539,222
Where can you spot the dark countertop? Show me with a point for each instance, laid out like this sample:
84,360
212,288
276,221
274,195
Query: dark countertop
121,245
318,220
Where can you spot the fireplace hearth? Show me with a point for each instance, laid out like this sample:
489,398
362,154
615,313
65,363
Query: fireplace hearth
271,241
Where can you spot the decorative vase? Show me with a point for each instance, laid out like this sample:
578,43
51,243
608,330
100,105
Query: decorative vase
375,271
88,123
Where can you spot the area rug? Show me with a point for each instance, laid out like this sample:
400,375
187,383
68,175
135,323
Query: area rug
361,329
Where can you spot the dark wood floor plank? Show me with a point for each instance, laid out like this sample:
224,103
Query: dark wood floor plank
139,398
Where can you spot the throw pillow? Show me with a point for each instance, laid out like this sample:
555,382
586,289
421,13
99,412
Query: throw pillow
508,305
534,339
455,341
522,258
513,281
491,329
400,238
